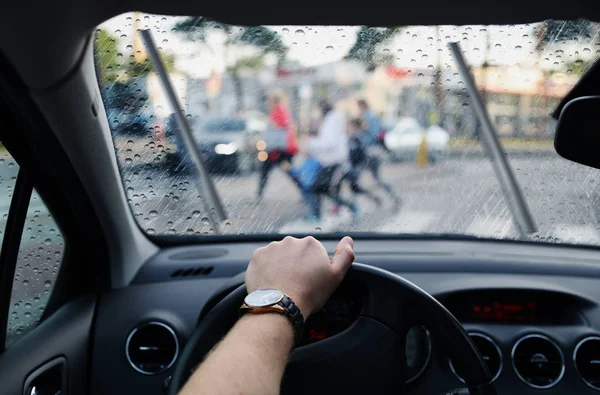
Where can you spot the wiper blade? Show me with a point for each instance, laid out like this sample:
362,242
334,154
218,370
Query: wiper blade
493,148
213,207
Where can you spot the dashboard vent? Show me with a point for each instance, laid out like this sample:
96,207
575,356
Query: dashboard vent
538,361
587,361
193,271
152,348
490,352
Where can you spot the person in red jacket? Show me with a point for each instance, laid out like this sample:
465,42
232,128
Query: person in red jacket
280,118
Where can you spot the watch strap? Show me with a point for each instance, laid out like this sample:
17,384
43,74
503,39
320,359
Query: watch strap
293,313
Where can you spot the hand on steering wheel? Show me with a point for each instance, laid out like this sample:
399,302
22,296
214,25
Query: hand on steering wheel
367,357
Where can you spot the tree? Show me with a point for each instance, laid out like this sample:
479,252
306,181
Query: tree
106,56
112,65
368,42
552,32
260,37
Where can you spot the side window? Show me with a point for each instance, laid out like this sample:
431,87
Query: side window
8,178
38,262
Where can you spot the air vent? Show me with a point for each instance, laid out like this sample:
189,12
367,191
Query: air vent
193,271
152,348
490,352
587,361
538,361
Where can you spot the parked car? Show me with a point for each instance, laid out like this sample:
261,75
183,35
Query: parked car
228,144
404,139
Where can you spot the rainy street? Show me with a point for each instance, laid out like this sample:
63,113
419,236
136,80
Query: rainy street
459,195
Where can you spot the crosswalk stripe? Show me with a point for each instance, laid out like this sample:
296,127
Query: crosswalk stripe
586,234
409,222
497,227
493,227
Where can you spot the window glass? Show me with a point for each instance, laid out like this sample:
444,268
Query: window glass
310,81
8,177
40,255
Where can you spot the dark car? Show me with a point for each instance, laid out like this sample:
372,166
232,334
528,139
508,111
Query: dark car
228,144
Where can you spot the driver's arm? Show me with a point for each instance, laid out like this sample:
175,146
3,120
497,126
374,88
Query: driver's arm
252,357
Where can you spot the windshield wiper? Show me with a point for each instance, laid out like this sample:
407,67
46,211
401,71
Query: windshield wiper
493,148
213,206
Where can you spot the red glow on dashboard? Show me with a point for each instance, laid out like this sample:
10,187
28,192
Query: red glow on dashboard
499,311
316,335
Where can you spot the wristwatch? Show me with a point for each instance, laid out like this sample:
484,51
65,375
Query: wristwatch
270,300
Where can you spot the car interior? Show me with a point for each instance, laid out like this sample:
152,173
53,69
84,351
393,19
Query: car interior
134,312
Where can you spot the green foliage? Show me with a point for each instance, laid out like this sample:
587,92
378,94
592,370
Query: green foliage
111,64
250,62
368,42
106,56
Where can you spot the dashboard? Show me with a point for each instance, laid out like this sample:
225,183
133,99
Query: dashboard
533,311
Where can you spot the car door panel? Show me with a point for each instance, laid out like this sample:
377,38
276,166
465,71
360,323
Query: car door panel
55,355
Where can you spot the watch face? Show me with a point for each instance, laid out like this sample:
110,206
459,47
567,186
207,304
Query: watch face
263,297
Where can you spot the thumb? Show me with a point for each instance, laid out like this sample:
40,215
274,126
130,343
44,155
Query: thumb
344,256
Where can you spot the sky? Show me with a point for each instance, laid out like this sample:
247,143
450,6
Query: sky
417,47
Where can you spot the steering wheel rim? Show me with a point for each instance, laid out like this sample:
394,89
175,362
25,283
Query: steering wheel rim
391,306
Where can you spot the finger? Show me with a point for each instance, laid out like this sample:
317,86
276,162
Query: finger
344,255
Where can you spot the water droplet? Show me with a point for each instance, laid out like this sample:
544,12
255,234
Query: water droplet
498,45
27,305
518,48
414,36
330,48
25,282
47,283
153,213
399,50
586,50
151,231
129,47
205,221
48,242
285,30
300,32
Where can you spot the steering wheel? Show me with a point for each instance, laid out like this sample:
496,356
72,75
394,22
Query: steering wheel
367,357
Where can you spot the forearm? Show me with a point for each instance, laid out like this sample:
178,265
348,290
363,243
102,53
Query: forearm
250,359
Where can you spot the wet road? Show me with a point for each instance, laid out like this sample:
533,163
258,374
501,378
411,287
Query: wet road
460,195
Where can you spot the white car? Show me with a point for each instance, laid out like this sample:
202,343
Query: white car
404,139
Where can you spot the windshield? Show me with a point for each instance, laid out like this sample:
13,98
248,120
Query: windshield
366,129
224,126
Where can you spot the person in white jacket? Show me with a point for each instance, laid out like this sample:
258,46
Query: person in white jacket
330,148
